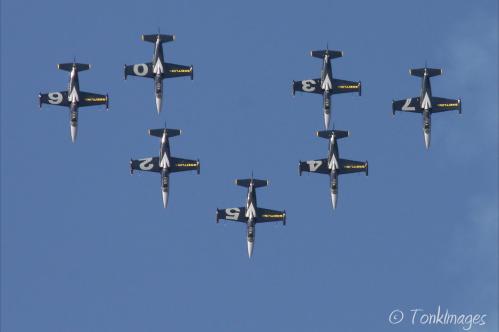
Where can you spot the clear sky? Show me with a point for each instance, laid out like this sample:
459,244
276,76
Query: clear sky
87,247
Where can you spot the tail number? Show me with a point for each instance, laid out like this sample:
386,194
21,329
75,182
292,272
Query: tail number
233,213
55,98
146,164
308,85
314,165
140,69
406,106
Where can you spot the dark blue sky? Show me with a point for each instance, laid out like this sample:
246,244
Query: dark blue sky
87,247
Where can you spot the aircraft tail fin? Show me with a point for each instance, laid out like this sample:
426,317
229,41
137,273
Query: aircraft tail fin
256,182
162,38
322,53
337,134
69,66
169,132
419,72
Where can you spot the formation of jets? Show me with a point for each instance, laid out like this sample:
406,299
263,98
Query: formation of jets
426,104
250,214
327,86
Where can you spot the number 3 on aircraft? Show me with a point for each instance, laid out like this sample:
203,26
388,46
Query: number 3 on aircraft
308,85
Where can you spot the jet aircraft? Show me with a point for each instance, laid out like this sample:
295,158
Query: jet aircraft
73,97
158,69
165,164
333,164
426,104
251,214
326,85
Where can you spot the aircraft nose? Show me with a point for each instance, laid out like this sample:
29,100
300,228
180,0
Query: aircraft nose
159,102
327,118
427,140
334,199
165,199
74,131
250,249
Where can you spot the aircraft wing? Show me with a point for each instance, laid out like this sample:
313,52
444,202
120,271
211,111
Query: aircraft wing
92,99
59,98
150,164
411,105
267,215
173,70
342,86
181,165
140,69
352,166
310,86
232,214
444,104
314,166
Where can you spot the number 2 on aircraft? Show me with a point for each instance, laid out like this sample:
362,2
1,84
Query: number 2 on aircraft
146,164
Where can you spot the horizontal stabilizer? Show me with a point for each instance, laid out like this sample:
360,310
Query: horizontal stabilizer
322,53
429,72
169,132
162,38
337,134
256,183
69,66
